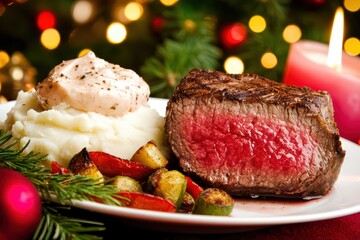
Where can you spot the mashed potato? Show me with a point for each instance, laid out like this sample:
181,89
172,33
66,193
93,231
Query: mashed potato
63,131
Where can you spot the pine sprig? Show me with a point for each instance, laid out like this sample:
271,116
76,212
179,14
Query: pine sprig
54,225
62,188
65,187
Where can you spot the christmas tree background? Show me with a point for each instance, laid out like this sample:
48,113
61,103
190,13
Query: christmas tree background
164,39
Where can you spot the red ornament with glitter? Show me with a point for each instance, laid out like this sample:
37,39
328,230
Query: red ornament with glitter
20,206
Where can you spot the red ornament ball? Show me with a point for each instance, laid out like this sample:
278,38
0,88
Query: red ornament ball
233,35
20,206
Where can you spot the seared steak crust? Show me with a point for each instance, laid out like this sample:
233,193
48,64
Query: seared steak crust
252,136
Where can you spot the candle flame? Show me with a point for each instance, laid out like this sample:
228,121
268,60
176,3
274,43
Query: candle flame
336,41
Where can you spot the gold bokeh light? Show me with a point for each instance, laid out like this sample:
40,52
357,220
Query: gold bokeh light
4,58
234,65
168,2
257,24
291,33
133,11
352,46
116,33
50,38
269,60
352,5
84,52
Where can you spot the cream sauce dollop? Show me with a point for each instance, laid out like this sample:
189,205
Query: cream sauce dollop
91,84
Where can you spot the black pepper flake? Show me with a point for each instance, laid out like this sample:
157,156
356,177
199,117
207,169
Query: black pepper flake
82,77
61,74
108,89
113,107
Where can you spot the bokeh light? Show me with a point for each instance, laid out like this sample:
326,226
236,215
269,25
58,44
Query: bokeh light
133,11
189,25
16,73
233,35
234,65
168,2
116,33
269,60
291,33
45,19
352,46
352,5
82,11
84,52
50,38
257,23
4,58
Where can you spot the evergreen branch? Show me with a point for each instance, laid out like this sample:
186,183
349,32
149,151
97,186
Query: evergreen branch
65,188
54,225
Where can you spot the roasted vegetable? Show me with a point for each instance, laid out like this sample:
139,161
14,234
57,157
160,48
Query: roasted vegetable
146,201
112,166
193,188
171,185
188,203
153,180
57,169
214,201
125,183
150,156
143,187
82,164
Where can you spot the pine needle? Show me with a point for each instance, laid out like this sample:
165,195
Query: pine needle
54,225
63,188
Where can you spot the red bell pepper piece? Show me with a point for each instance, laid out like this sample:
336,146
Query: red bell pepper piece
111,166
57,169
193,188
146,201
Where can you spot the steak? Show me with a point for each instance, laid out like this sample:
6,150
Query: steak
249,135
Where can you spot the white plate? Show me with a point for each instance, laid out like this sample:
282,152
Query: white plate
344,199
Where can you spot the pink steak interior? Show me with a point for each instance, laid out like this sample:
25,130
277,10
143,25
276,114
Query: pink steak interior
248,143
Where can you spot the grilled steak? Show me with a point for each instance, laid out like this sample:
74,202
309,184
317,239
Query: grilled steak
249,135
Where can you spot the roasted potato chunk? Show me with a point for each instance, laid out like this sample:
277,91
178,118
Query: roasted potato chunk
82,164
150,156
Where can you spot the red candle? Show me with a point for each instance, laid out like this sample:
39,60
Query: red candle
307,66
